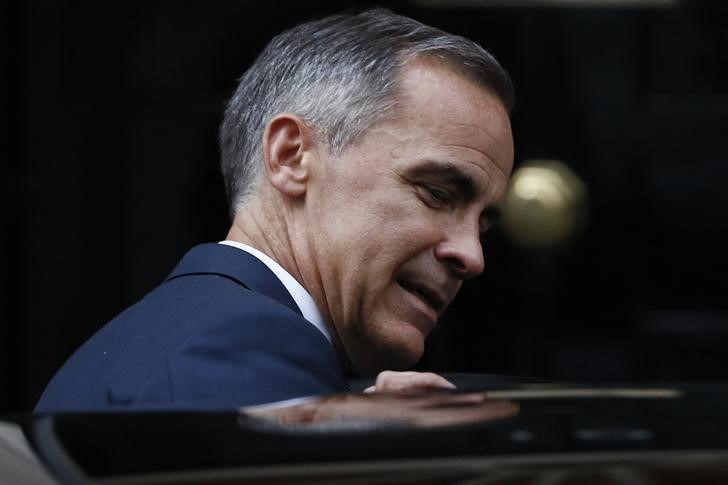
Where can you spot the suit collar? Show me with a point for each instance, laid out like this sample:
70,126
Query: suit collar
237,265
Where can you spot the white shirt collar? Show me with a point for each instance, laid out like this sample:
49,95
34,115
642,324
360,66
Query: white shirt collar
303,298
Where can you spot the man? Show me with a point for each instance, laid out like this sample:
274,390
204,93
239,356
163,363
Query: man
363,156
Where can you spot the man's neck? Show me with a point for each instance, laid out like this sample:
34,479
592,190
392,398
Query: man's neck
267,234
270,234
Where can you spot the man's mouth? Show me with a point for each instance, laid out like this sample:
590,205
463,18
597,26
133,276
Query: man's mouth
429,296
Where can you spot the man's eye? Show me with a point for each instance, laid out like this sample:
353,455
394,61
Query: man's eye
438,195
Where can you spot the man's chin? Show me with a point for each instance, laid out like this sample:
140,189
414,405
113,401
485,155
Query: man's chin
399,352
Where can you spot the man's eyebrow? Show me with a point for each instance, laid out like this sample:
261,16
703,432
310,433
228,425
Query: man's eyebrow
453,175
448,173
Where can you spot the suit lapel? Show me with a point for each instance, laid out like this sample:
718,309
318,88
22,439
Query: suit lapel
237,265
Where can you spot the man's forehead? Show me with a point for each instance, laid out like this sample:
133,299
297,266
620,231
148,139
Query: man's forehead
469,112
431,67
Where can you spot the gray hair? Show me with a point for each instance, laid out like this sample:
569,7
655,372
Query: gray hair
340,75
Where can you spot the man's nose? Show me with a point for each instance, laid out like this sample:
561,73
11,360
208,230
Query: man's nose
462,252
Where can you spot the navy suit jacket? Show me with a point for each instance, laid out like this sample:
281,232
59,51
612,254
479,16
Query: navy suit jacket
222,331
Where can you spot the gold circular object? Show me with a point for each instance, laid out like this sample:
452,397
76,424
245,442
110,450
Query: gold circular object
545,205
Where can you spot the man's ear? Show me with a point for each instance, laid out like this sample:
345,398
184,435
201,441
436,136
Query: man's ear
287,143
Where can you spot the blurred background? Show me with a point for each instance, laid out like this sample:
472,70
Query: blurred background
108,174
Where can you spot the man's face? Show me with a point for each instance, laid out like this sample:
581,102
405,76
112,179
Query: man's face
394,224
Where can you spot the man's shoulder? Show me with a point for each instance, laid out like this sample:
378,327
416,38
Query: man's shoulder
212,337
193,306
201,296
230,263
197,327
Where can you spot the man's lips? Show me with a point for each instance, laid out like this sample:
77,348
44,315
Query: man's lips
428,294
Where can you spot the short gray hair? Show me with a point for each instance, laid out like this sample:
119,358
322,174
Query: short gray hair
340,75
